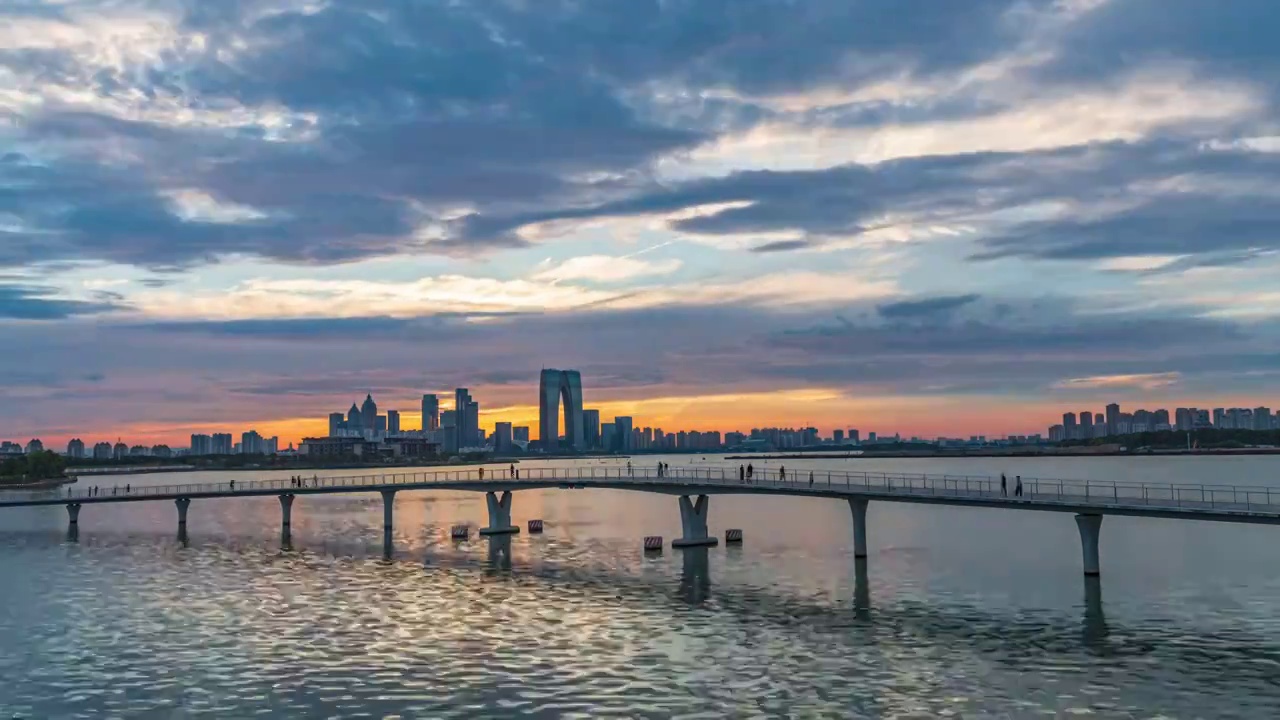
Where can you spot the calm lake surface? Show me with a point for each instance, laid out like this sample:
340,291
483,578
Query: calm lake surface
958,612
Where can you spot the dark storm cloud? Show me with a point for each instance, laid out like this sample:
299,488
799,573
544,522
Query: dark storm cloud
33,302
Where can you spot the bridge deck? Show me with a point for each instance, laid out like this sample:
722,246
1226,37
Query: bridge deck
1228,503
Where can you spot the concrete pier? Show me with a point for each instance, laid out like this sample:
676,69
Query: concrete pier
286,517
1090,526
183,504
858,506
499,514
73,513
388,515
693,523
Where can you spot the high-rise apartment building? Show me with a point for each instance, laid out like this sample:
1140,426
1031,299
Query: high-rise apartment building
1086,424
430,412
220,444
1069,425
75,448
201,445
337,423
854,437
471,432
608,436
1262,418
837,436
1113,419
1219,418
449,430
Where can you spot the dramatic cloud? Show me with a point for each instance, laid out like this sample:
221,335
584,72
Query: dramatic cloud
1007,201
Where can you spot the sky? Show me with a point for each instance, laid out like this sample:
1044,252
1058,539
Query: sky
906,216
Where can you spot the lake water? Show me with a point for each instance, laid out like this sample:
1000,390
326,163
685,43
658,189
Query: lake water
957,612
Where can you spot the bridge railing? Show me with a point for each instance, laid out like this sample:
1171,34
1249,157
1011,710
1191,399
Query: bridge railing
1086,492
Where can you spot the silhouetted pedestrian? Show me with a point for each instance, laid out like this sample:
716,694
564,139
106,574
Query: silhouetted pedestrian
1017,487
810,478
742,473
128,489
751,471
1004,485
481,473
511,472
782,473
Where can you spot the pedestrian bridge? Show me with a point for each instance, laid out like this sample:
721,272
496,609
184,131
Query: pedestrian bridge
1089,501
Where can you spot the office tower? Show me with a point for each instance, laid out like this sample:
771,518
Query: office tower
1069,425
337,422
430,412
472,432
462,438
622,426
369,413
1113,419
591,429
271,445
520,434
554,388
608,436
380,426
871,437
449,429
355,421
1086,423
75,448
393,422
837,437
502,439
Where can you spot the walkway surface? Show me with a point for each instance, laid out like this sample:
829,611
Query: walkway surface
1226,503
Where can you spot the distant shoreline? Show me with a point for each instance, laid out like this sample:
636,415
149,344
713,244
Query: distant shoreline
897,454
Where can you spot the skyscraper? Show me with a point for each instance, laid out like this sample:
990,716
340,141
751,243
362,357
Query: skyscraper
591,429
220,444
369,413
1113,419
393,422
430,412
520,433
471,432
449,430
1069,425
1086,424
355,421
854,437
622,426
462,438
502,440
554,387
336,424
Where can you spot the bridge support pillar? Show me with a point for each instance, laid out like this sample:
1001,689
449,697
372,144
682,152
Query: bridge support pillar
388,515
73,513
1090,526
499,514
693,522
858,506
286,516
183,504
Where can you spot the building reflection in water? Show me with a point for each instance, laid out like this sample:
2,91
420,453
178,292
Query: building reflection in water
695,575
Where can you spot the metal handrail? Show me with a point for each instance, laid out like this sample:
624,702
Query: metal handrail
1040,490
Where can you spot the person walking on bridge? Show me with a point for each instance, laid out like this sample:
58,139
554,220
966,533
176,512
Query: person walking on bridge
742,474
1004,485
782,473
511,471
482,473
1017,487
810,478
750,472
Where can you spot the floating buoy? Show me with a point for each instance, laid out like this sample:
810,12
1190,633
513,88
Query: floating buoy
460,532
535,526
653,542
733,536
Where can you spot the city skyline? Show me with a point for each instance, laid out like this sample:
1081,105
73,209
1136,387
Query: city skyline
947,227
